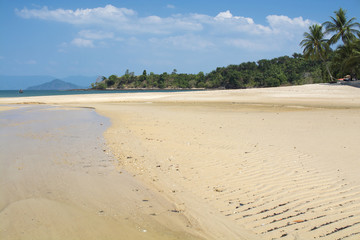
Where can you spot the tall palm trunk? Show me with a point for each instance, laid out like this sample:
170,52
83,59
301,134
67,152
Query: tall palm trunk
316,46
327,68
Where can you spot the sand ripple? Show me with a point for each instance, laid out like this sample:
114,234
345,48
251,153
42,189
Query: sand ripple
245,163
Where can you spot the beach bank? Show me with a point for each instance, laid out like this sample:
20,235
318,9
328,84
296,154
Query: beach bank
242,164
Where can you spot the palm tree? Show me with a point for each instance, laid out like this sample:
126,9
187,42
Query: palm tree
341,27
348,56
315,45
354,58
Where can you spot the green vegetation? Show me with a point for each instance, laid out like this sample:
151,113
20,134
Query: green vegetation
264,73
319,63
345,59
315,46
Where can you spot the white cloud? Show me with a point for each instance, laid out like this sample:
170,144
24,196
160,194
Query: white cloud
95,35
111,17
127,21
226,23
228,15
278,25
98,15
183,42
170,6
153,20
276,21
88,38
169,25
80,42
223,15
182,31
288,27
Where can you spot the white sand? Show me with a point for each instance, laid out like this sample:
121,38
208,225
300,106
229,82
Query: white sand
243,164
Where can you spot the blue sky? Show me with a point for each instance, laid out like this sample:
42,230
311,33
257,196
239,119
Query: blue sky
94,37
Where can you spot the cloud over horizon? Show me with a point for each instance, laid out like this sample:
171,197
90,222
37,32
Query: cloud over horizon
81,42
185,31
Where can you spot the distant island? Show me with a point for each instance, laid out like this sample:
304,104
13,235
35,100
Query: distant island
16,82
55,84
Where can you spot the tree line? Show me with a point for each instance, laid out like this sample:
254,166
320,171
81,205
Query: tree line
318,63
263,73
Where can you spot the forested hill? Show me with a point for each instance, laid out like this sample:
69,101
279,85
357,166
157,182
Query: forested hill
263,73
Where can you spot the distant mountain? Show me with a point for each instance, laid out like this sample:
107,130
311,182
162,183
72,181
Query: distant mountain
22,82
55,84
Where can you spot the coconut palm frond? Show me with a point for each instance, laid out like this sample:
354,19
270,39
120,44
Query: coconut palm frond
315,46
341,27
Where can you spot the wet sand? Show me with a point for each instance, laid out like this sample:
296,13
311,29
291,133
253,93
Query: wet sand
5,108
242,164
59,181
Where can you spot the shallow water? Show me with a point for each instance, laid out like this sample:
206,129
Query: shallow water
42,138
58,181
51,130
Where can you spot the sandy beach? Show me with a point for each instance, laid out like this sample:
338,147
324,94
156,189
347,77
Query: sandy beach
275,163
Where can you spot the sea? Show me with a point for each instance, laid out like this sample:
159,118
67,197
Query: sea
34,93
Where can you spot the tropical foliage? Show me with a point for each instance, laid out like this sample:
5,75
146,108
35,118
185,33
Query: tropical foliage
342,28
316,46
345,59
319,63
263,73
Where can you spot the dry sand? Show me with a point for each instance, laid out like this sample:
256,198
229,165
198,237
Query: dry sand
242,164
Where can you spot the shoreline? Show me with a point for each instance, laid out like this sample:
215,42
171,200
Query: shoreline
141,89
69,186
248,164
312,95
